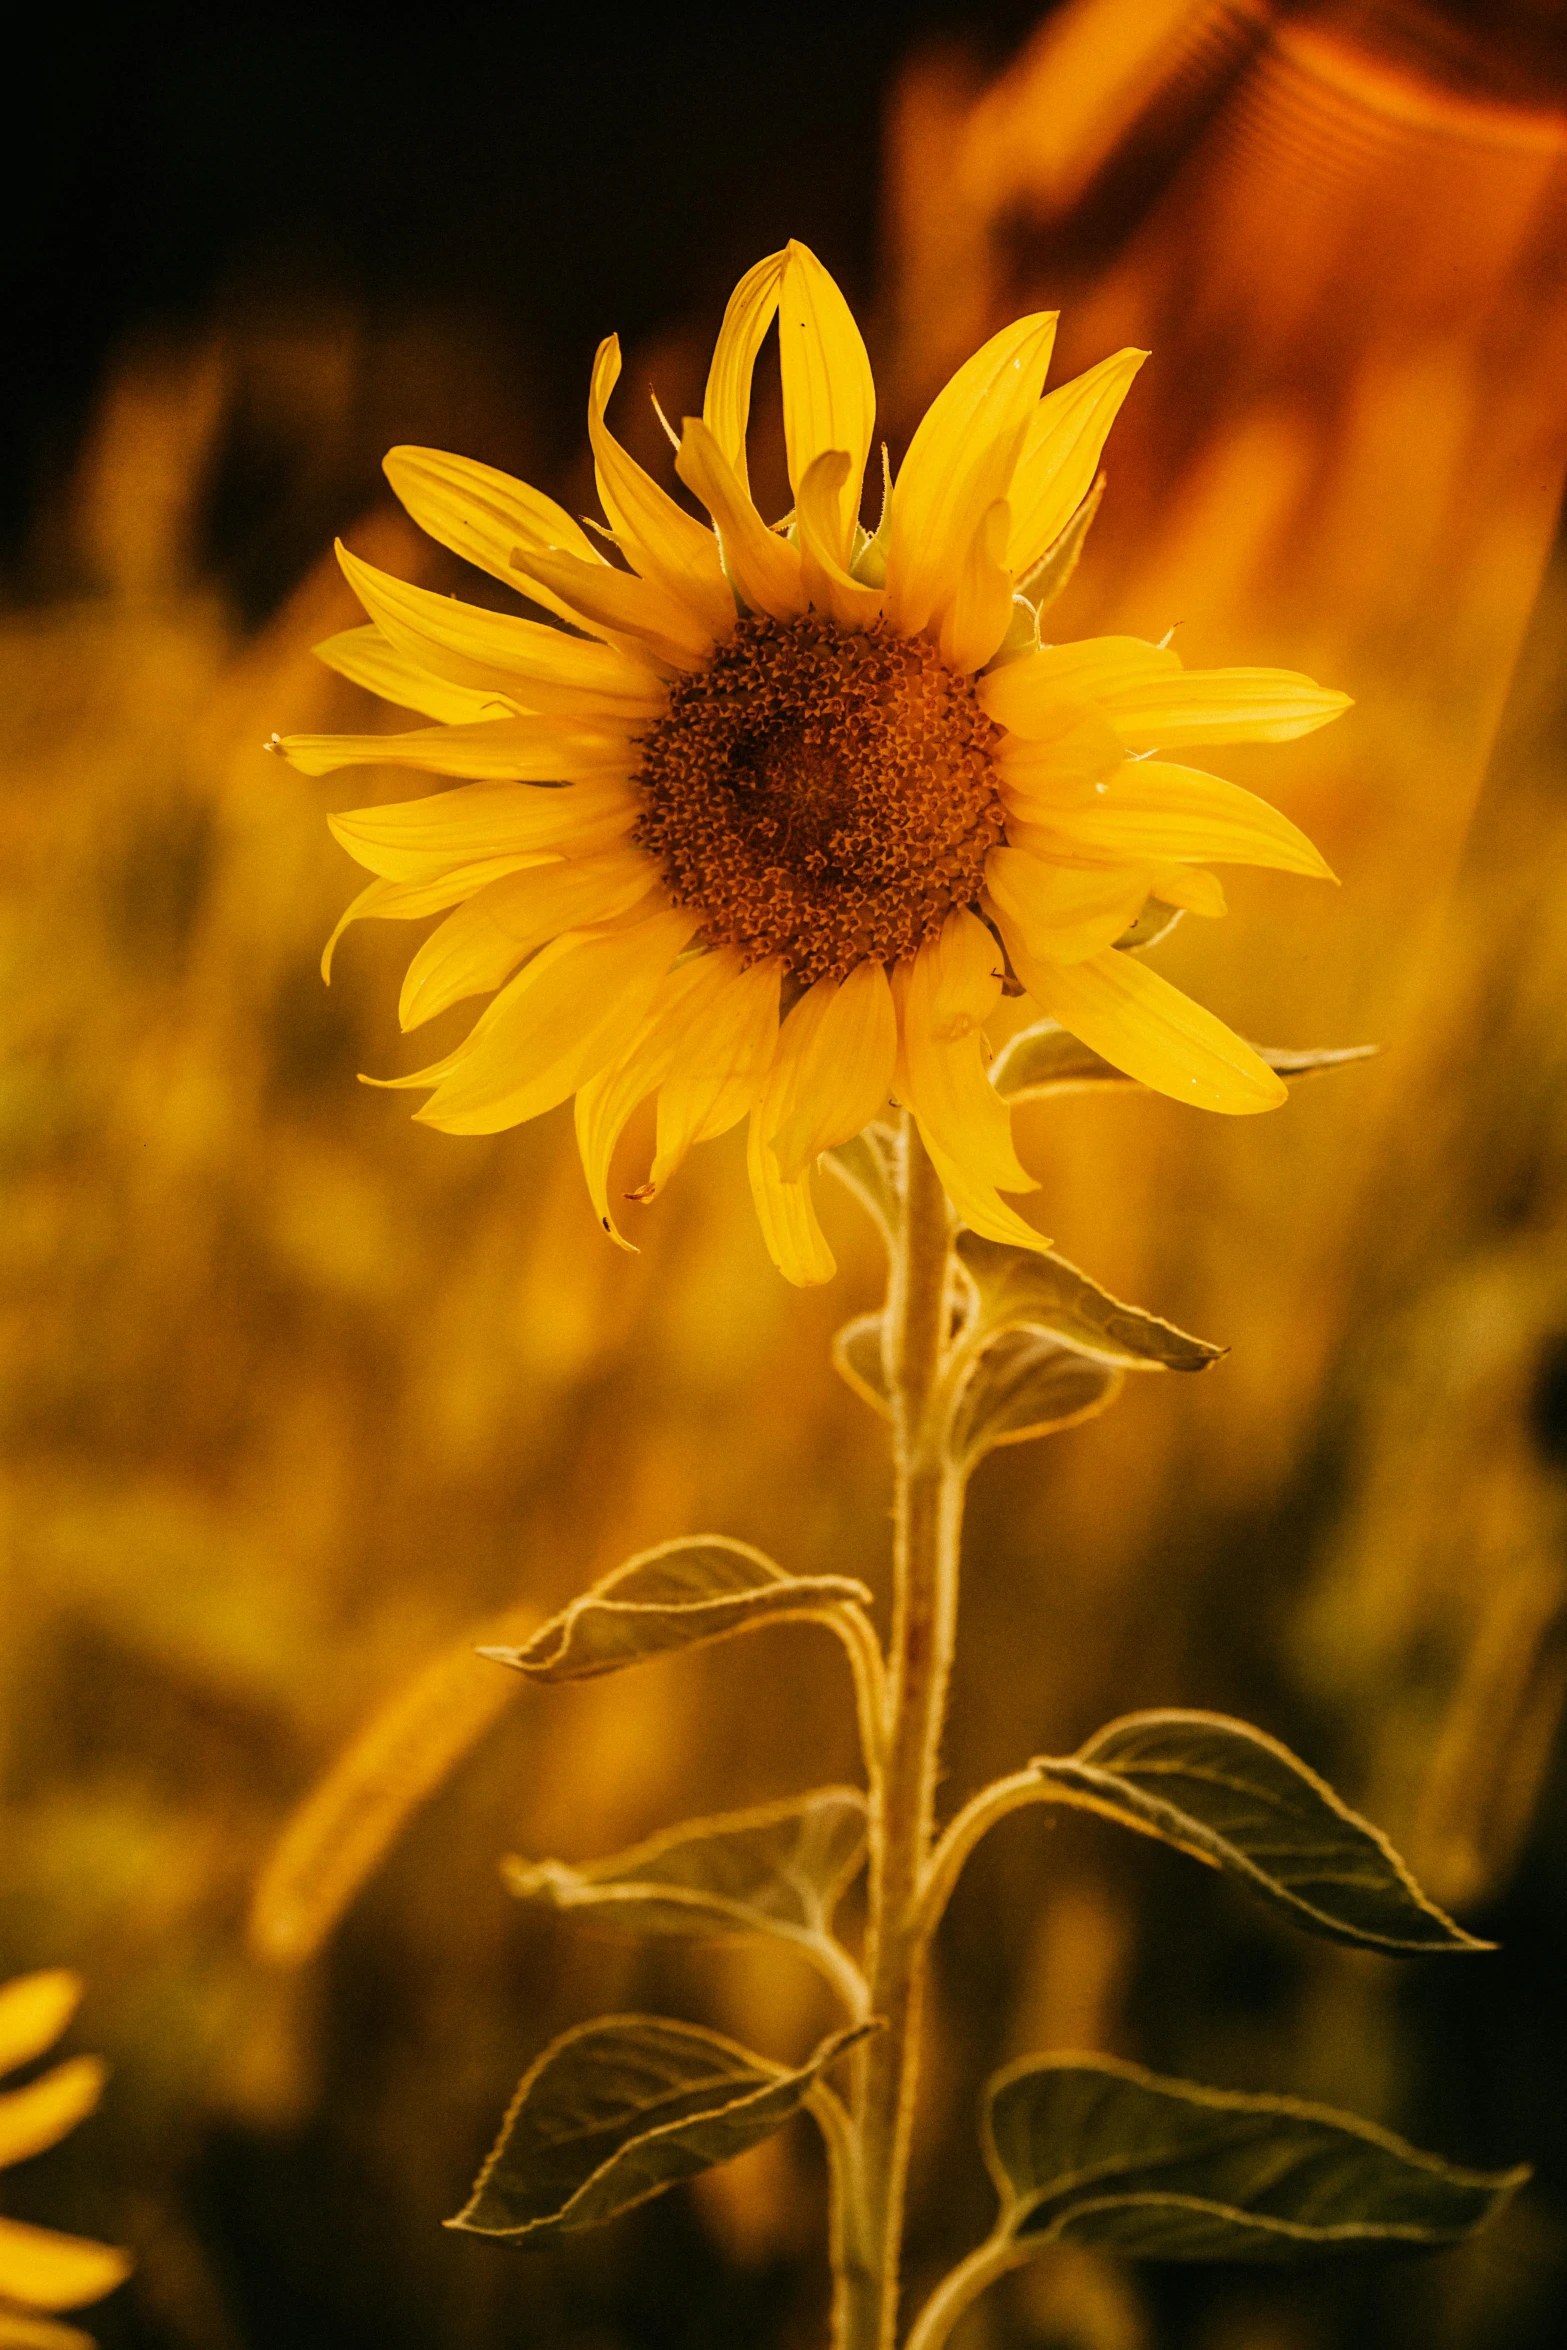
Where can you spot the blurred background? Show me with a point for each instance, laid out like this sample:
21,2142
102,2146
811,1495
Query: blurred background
296,1395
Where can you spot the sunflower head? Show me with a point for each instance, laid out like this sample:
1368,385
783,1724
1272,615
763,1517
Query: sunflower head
764,829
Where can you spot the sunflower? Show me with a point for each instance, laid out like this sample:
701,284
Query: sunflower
812,794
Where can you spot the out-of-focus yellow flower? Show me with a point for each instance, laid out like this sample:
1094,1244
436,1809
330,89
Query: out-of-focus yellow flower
40,2269
816,787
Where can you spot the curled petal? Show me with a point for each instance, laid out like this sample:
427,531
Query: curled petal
764,569
1066,434
960,461
726,403
368,658
479,513
830,587
829,399
623,605
658,538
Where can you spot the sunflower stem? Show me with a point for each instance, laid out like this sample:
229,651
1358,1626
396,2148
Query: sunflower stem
928,1516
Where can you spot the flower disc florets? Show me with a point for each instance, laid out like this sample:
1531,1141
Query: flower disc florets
822,794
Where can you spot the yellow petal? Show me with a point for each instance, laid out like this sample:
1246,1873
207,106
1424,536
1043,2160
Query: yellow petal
720,1059
829,399
1056,470
960,461
978,1203
1190,887
795,1240
763,568
45,2270
836,1055
1148,809
497,652
528,749
42,2113
1140,1023
1038,696
410,901
621,604
34,2011
365,657
482,514
658,538
1065,768
606,1102
981,611
557,1023
1219,706
40,2333
726,404
941,1072
828,585
426,840
480,946
1065,912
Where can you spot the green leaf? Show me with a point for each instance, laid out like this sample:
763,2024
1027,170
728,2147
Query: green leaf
858,1359
1025,1383
1102,2152
779,1869
615,2111
1232,1796
1041,1290
871,1164
1047,1059
700,1588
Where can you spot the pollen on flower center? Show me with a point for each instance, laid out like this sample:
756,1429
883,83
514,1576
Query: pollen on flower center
822,795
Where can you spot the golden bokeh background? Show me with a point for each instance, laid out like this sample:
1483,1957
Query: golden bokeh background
300,1398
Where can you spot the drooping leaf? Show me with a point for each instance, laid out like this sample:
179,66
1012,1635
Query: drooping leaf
1102,2152
675,1596
1047,1059
617,2110
1042,1290
870,1164
858,1359
1231,1795
779,1869
1025,1383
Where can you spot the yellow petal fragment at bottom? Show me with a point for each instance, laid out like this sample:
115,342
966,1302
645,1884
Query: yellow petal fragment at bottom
605,1103
720,1059
42,2113
40,2333
50,2271
1140,1023
556,1024
795,1241
836,1055
34,2011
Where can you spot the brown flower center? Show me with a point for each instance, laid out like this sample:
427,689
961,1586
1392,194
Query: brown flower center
821,795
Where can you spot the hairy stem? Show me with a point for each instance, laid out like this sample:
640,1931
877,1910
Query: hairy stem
928,1517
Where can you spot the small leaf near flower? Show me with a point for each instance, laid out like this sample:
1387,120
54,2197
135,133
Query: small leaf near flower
779,1869
1100,2152
1025,1383
1044,1291
616,2111
1234,1797
1047,1059
675,1596
860,1361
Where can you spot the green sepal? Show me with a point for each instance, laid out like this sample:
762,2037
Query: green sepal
871,1164
1096,2151
1025,1383
677,1595
1230,1795
1047,1059
618,2110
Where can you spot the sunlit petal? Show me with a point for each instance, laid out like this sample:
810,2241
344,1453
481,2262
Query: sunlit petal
658,538
726,403
607,1101
942,1061
829,586
480,946
368,658
44,2111
34,2011
1065,912
829,399
981,610
45,2270
479,513
836,1055
1149,809
763,568
1066,434
720,1060
1219,706
787,1215
1039,696
528,749
424,840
